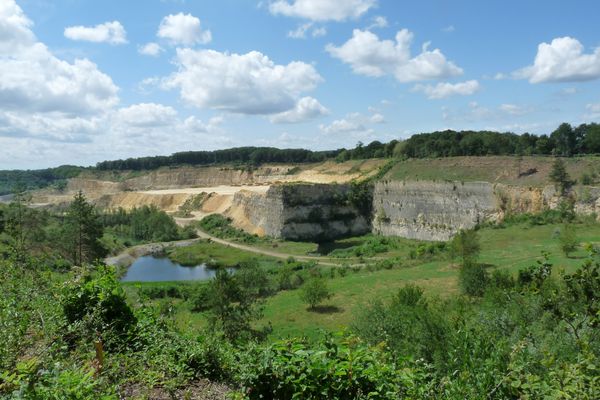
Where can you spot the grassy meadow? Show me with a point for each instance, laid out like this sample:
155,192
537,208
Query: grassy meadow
512,247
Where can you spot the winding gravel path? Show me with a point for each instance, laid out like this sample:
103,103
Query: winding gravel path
128,256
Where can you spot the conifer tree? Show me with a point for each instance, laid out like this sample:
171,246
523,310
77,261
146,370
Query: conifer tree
82,231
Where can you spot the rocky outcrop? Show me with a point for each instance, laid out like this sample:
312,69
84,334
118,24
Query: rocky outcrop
437,210
430,210
315,212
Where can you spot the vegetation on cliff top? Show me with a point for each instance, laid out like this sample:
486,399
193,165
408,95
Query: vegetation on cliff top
564,141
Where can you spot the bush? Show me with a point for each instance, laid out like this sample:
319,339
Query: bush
466,245
331,369
220,226
568,240
473,279
408,325
314,292
98,302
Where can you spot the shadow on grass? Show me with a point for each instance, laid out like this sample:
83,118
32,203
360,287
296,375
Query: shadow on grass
326,309
325,248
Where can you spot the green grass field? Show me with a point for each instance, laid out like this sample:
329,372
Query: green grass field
208,252
512,248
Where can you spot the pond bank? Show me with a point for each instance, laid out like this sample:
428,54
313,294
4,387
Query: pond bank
129,255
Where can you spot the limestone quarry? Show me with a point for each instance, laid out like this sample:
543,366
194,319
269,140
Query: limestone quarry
314,202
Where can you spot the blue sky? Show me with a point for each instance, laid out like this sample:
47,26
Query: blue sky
84,81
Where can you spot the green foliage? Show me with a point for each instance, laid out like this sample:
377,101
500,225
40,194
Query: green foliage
233,303
96,301
465,245
220,226
559,176
240,155
361,197
143,224
564,141
194,203
82,232
473,279
407,325
535,276
330,369
564,213
568,239
314,291
37,179
372,246
212,254
587,179
30,381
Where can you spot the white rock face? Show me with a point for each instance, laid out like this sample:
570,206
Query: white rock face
438,210
313,212
431,210
414,209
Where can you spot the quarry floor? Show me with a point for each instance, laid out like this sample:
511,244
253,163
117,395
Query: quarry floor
220,190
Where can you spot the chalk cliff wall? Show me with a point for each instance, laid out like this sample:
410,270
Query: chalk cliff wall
316,212
430,210
437,210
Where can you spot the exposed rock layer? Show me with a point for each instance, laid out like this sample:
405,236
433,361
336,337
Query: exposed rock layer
314,212
437,210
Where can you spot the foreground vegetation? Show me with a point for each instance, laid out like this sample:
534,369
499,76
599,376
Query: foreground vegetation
506,311
531,336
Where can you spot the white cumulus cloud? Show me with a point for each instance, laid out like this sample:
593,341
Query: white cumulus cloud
33,80
108,32
513,109
147,115
322,10
183,29
150,49
303,29
378,22
444,89
562,60
592,111
370,56
306,108
240,83
377,118
344,125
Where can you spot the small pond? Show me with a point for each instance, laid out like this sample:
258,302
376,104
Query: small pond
159,269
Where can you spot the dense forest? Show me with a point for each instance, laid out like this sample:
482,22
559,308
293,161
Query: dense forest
36,179
238,155
565,141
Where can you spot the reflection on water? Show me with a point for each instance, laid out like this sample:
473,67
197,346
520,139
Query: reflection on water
157,269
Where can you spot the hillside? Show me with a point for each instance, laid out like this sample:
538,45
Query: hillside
510,170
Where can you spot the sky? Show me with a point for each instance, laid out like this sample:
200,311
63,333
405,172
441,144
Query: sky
83,81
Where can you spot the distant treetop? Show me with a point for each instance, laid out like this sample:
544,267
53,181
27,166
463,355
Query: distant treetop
565,141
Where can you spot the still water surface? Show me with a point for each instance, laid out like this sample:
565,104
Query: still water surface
159,269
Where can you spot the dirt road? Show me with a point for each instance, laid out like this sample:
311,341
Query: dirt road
131,254
320,260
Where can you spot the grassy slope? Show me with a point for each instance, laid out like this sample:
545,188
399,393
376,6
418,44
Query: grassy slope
206,252
513,248
502,169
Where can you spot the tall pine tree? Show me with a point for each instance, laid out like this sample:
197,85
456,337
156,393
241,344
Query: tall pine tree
82,231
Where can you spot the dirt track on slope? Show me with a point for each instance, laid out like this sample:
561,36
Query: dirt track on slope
128,256
320,260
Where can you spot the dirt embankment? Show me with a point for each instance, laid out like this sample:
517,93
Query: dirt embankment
170,188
